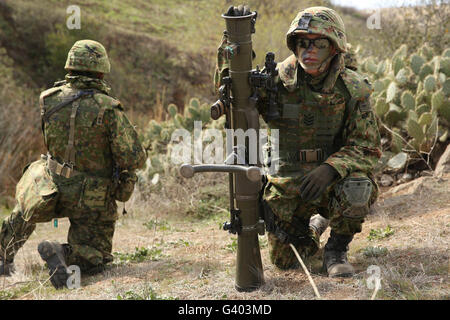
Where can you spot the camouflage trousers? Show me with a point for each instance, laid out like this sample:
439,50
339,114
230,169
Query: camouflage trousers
282,195
89,241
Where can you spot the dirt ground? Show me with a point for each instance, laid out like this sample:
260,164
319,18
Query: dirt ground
171,257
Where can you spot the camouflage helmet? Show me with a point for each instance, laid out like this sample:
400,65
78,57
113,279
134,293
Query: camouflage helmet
318,20
88,55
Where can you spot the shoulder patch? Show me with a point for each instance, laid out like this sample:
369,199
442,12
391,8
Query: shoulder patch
358,85
287,71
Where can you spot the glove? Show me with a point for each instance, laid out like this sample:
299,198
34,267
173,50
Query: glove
314,183
238,11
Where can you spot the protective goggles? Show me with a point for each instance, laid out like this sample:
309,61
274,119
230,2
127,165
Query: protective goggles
320,43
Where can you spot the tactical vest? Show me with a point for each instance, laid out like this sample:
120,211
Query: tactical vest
74,134
311,123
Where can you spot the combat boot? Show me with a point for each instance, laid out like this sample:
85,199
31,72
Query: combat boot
53,254
6,268
335,256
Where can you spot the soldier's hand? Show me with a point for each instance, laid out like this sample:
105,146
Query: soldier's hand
314,183
238,11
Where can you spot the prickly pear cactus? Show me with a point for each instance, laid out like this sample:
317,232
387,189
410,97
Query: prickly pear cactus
411,97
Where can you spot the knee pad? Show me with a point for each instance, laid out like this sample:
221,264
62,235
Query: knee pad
352,197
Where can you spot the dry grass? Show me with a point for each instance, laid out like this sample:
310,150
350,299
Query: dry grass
197,260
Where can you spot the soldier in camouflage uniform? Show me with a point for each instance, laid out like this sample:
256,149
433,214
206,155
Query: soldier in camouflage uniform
93,152
329,144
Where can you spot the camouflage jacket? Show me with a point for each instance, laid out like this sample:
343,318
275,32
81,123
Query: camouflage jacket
103,135
335,104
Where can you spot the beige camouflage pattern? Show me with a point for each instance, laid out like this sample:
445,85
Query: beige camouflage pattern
104,147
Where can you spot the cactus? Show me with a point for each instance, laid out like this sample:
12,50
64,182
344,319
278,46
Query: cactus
441,78
412,115
397,142
419,87
371,66
408,101
444,66
446,53
446,87
426,51
416,63
415,130
381,68
425,119
437,100
194,103
425,71
205,114
423,108
429,83
402,76
165,134
381,107
378,86
444,110
397,65
391,92
421,98
401,52
172,109
154,127
195,114
179,122
394,114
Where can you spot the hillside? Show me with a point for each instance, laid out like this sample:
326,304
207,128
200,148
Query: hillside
176,250
169,245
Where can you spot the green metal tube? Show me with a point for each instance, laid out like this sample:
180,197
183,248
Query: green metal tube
249,271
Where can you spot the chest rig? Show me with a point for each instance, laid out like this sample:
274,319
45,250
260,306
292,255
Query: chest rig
310,125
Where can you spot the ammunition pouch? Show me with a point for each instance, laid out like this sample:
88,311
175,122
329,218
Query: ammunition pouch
36,193
125,185
352,197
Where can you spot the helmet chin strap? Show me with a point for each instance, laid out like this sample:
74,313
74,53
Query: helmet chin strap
323,66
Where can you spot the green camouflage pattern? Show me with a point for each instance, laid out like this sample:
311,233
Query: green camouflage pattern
88,55
99,146
312,118
325,22
222,64
350,58
88,198
331,112
286,204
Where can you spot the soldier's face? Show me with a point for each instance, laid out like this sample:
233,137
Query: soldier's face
312,54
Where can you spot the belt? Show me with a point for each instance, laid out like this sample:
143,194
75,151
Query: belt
306,155
63,170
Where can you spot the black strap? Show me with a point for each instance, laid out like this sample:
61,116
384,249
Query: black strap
80,94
